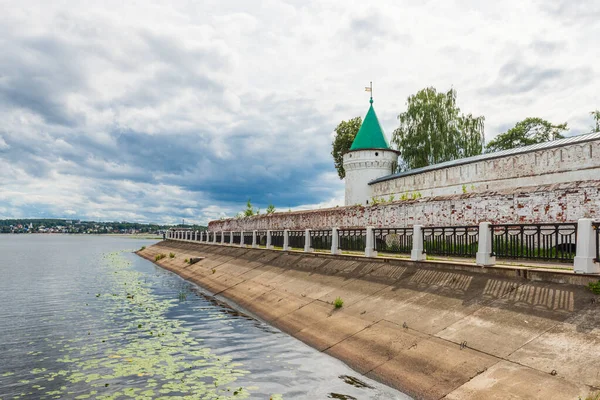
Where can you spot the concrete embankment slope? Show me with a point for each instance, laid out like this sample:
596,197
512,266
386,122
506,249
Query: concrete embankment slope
430,332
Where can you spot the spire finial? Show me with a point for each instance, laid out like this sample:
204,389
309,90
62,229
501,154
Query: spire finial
370,90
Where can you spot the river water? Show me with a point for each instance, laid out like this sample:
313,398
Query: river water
82,317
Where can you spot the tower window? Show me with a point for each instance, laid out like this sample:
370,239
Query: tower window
376,154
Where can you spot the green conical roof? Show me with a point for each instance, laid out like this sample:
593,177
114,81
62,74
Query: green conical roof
370,135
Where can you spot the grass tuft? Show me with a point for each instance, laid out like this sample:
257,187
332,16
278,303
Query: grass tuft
159,257
171,255
338,302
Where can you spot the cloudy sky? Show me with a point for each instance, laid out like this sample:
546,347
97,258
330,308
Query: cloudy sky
127,110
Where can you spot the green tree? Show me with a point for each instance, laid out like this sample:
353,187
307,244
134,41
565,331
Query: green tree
270,209
596,116
433,130
249,211
527,132
345,133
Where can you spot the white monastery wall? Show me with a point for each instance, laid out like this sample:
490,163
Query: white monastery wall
568,163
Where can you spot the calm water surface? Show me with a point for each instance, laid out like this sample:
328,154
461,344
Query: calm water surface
82,317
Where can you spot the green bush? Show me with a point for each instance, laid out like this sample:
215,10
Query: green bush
338,302
143,248
160,256
171,255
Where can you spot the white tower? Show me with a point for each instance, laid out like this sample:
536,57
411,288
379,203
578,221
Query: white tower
370,157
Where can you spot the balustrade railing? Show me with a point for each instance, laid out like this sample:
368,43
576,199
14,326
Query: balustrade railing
237,237
277,239
352,239
261,238
458,241
596,226
320,239
296,239
393,240
546,242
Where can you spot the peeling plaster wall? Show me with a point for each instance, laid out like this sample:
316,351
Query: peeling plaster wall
564,202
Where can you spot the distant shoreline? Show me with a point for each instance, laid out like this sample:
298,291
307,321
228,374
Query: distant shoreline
127,235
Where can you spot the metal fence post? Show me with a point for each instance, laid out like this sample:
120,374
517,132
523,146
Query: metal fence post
417,253
254,245
307,247
370,246
286,240
586,248
335,239
269,246
484,249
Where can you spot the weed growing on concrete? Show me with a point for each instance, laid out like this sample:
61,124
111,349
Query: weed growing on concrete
182,295
214,270
594,287
595,396
160,256
186,260
338,302
171,255
143,248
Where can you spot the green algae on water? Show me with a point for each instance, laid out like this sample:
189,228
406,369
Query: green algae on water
150,355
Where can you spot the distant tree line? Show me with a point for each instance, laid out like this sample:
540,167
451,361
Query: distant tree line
433,130
76,226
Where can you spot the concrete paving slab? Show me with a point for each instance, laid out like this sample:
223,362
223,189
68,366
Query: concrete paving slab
571,348
509,381
331,330
507,324
375,345
352,291
432,369
275,304
304,316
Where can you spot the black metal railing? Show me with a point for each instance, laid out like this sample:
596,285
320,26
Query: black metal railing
210,237
248,238
261,238
277,238
596,226
296,239
352,239
219,236
458,241
393,240
555,242
237,237
320,239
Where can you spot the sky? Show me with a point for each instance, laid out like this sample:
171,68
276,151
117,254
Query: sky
148,111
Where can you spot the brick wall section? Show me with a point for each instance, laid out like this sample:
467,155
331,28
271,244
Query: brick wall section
539,204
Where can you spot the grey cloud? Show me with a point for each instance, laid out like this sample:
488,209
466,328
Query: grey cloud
36,74
569,11
516,77
365,31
